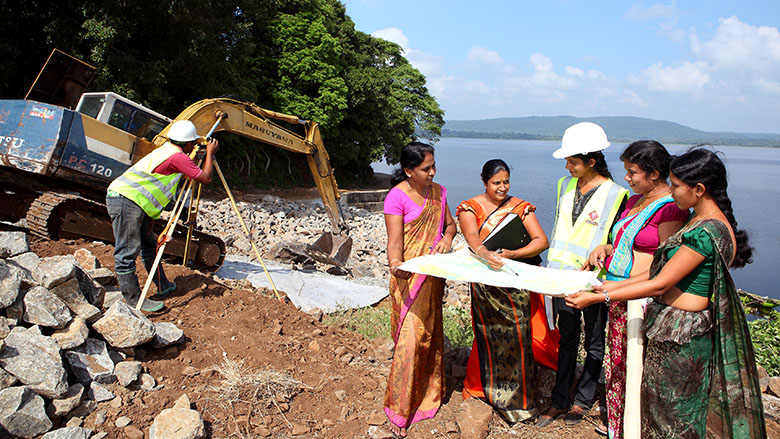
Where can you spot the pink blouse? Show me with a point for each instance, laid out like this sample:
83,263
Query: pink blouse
647,240
398,203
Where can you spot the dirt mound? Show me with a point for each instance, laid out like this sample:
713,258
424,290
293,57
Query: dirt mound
254,367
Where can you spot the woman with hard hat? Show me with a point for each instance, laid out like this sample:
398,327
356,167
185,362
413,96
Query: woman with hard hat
588,203
137,197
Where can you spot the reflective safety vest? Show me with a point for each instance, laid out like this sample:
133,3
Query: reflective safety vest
572,243
150,191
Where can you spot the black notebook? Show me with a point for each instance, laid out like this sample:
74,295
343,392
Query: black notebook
510,234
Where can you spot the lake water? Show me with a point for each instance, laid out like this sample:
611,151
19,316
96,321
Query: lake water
754,188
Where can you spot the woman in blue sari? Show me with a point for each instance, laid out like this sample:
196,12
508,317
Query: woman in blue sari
649,218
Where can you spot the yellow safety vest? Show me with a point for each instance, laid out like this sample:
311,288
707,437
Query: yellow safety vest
150,191
572,243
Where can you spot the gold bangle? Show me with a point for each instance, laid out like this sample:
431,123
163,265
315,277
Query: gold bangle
391,263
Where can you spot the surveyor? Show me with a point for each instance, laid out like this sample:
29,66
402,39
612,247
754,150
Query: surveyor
136,198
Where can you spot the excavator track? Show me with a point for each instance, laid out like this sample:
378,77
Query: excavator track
55,215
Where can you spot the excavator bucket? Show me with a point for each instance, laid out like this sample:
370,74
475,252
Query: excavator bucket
330,249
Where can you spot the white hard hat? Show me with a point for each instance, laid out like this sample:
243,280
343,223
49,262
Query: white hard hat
183,131
582,138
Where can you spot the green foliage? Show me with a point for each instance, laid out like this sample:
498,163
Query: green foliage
375,323
369,322
457,326
765,333
300,57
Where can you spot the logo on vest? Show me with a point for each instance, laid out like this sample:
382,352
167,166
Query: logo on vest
593,219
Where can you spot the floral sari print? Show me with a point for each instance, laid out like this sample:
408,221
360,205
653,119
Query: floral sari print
625,232
415,384
700,377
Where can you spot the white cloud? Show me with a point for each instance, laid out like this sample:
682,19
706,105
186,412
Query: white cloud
574,71
426,63
393,34
740,46
545,76
638,11
688,77
768,86
482,55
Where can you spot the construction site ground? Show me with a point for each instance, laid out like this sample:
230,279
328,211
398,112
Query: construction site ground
254,367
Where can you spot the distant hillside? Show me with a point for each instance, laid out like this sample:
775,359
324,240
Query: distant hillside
619,129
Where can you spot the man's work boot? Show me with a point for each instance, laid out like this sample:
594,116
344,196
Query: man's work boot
128,285
164,286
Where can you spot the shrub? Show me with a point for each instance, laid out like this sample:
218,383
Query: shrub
765,333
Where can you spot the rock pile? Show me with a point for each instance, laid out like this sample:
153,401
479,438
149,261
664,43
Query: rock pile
64,340
274,221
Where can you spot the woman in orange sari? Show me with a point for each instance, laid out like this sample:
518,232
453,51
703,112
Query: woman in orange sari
501,368
418,223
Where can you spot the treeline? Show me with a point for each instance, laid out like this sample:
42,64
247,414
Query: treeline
300,57
618,128
508,136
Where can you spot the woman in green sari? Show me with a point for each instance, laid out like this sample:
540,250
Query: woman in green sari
699,375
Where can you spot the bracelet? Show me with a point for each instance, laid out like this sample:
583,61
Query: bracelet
391,263
477,250
606,298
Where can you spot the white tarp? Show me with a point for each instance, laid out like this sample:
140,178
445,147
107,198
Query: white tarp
306,290
462,265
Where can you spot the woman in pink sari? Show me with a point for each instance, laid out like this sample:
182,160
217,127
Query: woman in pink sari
418,223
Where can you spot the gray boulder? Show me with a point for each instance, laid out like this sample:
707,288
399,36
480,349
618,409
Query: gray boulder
72,335
90,362
112,296
42,307
6,379
35,360
10,281
55,270
92,291
71,400
68,433
28,261
127,372
166,334
104,276
70,293
99,393
22,412
123,326
13,243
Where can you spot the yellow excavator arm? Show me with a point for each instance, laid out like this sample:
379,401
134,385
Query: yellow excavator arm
251,121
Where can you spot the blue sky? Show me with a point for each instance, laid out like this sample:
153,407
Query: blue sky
711,65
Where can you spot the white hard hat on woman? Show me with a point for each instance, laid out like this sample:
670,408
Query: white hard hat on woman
582,138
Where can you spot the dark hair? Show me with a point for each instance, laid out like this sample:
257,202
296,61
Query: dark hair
700,165
493,167
601,163
649,155
411,156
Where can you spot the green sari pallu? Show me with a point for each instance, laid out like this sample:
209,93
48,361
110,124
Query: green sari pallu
700,378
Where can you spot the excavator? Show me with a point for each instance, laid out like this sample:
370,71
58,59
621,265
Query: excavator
60,148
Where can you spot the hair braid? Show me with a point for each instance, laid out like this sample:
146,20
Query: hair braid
700,165
744,253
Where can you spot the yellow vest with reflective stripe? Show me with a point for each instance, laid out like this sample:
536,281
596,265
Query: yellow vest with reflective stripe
150,191
571,244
